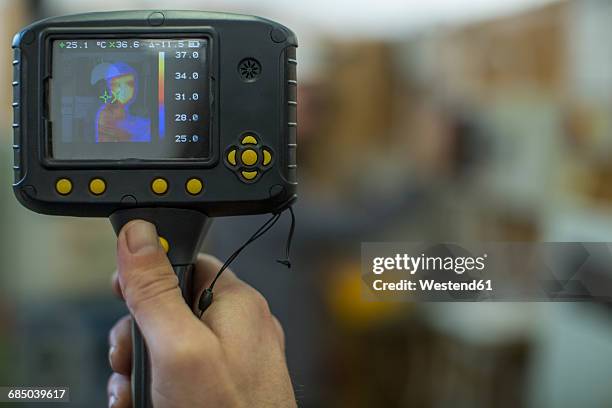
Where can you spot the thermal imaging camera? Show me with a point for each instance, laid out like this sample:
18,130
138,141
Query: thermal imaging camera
178,109
173,117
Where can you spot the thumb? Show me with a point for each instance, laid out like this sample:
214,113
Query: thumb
149,285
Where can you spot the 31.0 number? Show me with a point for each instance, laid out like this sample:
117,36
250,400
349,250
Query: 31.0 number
180,96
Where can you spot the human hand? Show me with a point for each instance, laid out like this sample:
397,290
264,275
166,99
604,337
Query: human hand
233,357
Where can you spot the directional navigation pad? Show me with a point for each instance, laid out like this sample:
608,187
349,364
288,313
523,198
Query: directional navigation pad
249,159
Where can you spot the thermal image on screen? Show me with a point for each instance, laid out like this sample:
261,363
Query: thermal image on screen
129,99
114,123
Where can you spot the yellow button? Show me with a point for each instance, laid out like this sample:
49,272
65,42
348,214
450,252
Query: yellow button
97,186
194,186
231,157
164,243
267,157
249,140
249,175
249,157
63,186
159,186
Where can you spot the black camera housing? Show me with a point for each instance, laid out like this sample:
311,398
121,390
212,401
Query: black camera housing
257,114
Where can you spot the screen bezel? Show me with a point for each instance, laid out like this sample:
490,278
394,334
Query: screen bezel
50,35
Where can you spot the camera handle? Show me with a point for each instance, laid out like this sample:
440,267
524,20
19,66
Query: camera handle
184,230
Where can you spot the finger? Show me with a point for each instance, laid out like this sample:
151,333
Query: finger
119,395
116,286
205,270
280,332
150,286
120,352
238,310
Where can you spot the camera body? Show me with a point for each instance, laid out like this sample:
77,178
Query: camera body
165,109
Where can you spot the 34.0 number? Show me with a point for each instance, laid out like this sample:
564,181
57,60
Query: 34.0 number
185,75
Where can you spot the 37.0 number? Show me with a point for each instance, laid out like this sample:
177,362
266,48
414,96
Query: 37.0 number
185,54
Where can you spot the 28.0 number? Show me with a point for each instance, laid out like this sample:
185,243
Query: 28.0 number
183,117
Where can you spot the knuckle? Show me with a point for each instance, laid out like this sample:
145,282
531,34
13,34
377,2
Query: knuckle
118,329
279,330
259,305
112,383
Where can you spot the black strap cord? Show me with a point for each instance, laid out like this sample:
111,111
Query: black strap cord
287,260
206,297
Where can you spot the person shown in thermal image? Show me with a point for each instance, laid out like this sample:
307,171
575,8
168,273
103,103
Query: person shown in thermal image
114,123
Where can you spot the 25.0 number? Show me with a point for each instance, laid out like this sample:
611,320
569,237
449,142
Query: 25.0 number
186,138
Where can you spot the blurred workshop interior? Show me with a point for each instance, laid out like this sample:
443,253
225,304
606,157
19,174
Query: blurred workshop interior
444,120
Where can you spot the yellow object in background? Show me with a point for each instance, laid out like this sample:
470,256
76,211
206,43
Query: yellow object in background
348,305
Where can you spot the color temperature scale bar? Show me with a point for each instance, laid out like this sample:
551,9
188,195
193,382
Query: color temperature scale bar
160,94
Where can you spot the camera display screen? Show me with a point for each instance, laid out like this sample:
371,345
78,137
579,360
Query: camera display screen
116,99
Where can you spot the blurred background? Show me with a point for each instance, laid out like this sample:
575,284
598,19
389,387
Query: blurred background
443,120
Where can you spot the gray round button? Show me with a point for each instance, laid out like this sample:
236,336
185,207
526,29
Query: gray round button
128,200
156,19
277,35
